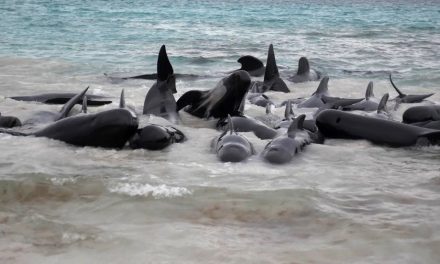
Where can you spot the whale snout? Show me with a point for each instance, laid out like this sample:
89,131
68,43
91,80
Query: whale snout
233,152
277,155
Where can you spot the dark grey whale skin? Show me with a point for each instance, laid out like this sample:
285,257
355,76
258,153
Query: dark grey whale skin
338,124
201,104
62,98
421,113
107,129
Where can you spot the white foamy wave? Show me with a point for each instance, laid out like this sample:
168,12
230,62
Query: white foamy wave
157,192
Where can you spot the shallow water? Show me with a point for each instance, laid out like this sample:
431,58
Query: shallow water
342,202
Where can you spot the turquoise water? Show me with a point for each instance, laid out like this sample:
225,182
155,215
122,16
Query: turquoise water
206,37
341,202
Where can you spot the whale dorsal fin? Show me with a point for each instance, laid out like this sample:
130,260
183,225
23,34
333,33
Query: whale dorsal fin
383,104
303,66
288,112
64,112
369,92
231,125
269,108
250,63
271,65
122,99
323,87
397,89
297,124
242,104
164,67
84,105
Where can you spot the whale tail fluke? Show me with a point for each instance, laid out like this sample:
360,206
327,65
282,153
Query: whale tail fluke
395,87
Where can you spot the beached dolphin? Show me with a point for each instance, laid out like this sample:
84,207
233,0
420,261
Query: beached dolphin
159,100
47,116
408,98
304,73
283,148
339,124
252,65
370,103
272,80
231,146
223,100
62,98
156,137
421,114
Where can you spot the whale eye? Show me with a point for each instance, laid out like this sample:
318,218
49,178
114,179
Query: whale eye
338,120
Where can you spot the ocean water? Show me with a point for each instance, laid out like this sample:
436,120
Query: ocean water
341,202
